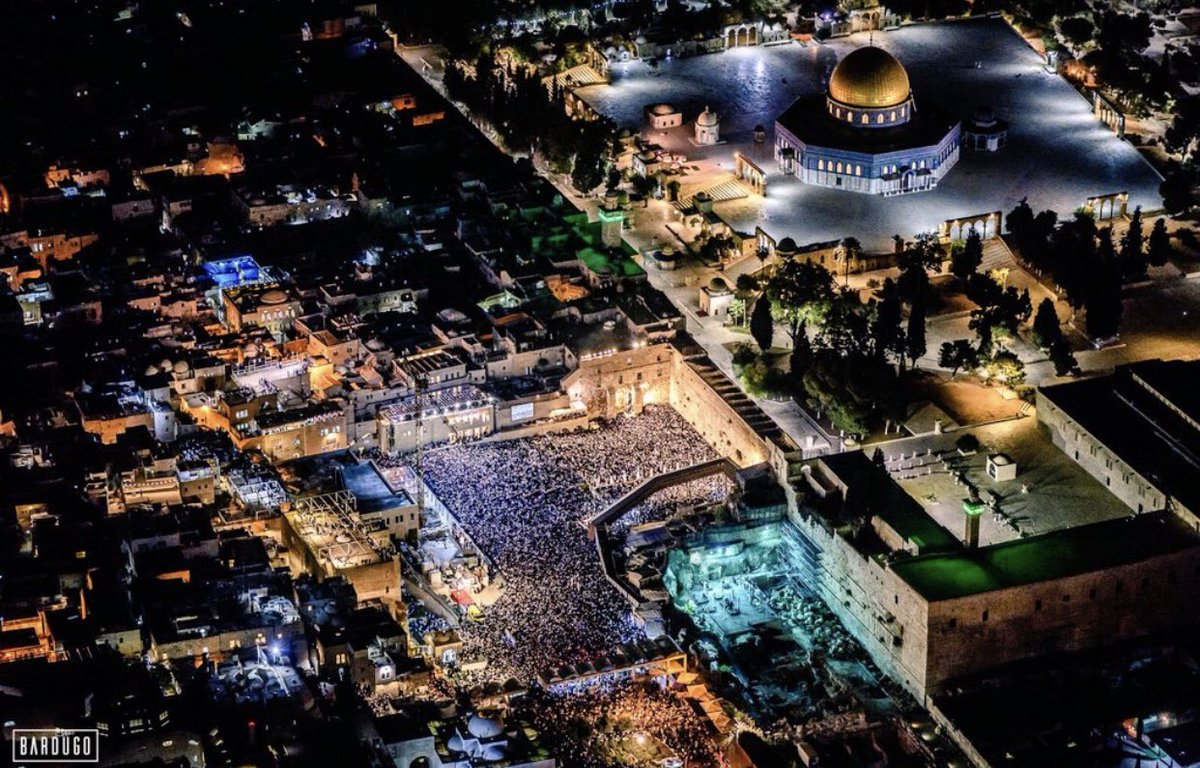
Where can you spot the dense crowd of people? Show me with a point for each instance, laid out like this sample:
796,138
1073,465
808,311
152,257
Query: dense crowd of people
676,501
593,727
522,502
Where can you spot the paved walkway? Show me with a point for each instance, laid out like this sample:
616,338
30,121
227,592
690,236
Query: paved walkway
726,190
656,225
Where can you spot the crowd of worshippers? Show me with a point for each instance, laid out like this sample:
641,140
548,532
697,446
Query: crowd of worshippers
600,724
523,502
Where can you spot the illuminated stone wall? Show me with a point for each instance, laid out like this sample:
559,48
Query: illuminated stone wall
873,604
714,418
1102,463
626,381
623,381
1077,613
924,644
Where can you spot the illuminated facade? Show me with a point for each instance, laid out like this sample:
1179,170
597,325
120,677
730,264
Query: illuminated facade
462,412
866,135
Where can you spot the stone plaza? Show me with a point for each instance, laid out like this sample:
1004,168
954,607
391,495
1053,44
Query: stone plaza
1058,154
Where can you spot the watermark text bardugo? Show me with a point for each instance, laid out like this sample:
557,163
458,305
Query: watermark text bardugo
56,745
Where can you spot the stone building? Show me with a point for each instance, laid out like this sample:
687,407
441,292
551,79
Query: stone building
931,610
708,128
318,428
866,134
326,538
1136,431
271,306
716,297
663,116
462,412
985,132
452,740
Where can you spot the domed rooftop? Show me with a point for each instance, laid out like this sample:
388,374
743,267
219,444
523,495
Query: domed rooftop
984,117
718,285
663,109
869,78
786,245
484,727
707,118
274,296
494,753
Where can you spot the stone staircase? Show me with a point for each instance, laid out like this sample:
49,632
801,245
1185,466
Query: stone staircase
726,190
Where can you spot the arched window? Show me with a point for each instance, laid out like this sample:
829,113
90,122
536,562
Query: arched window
903,111
879,118
892,117
839,113
858,170
839,167
820,165
850,116
866,119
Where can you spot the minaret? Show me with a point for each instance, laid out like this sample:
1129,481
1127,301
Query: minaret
610,226
973,511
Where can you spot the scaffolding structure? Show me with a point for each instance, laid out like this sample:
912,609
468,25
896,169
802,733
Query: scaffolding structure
330,523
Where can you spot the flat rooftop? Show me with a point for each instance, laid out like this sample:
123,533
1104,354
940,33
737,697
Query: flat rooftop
1145,413
1056,555
372,493
331,528
872,492
1049,493
436,402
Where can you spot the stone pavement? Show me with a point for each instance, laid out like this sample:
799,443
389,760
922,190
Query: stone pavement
1058,154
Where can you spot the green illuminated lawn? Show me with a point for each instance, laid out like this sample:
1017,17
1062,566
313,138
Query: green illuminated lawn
1043,558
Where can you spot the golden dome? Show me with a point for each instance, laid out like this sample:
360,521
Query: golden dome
869,78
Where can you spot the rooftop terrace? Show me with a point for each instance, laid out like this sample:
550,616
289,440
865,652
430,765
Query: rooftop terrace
1056,555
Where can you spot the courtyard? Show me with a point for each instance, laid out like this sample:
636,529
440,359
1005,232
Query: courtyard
1051,492
1058,154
